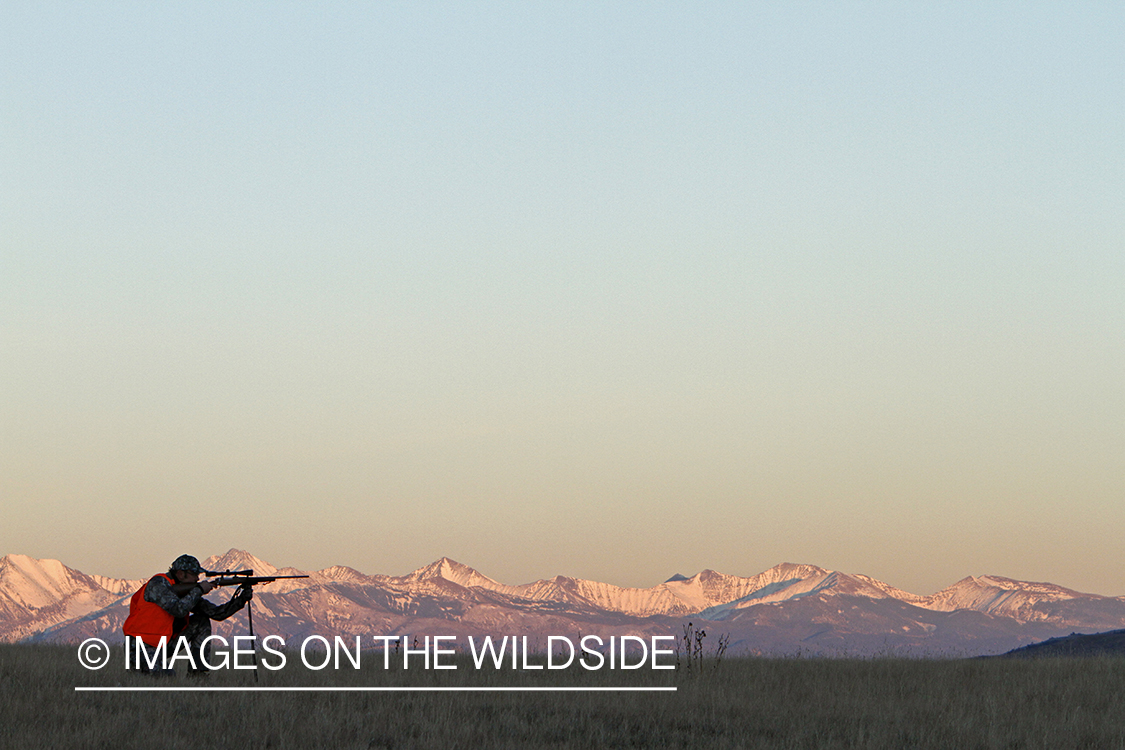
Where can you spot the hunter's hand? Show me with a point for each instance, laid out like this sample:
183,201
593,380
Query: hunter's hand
245,593
206,586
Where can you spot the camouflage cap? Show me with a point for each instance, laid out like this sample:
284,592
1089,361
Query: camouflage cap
187,563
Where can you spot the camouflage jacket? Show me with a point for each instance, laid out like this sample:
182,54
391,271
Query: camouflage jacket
159,592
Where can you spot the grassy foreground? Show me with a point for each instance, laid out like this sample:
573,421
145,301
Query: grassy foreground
740,703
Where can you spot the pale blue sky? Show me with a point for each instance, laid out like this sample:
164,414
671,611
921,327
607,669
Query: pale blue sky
600,290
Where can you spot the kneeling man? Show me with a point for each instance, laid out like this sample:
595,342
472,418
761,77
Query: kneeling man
172,605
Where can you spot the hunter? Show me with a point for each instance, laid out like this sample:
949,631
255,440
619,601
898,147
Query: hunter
172,605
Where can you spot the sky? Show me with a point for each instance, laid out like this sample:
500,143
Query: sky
605,290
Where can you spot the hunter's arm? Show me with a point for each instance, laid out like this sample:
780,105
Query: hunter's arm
223,611
160,592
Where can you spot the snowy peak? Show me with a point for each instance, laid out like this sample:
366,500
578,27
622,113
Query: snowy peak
810,579
888,590
339,574
606,596
36,594
780,583
1025,601
452,571
788,571
969,591
35,584
1047,590
118,586
237,559
709,588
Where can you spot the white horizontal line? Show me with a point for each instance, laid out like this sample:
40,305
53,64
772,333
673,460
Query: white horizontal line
372,689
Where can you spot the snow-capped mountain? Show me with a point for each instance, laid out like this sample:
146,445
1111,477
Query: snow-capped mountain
786,608
675,597
237,559
36,594
448,570
1026,601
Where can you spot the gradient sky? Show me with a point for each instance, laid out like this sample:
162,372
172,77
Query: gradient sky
612,291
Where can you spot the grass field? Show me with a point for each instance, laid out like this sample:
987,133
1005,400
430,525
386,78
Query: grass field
739,703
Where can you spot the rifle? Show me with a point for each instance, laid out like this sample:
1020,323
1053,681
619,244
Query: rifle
229,578
244,579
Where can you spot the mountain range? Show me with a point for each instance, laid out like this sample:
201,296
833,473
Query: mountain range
787,609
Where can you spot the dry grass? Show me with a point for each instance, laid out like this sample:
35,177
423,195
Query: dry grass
756,703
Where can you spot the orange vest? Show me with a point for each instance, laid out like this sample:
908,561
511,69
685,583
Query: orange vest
149,621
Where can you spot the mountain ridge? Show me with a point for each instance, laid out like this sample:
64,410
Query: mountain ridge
45,600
